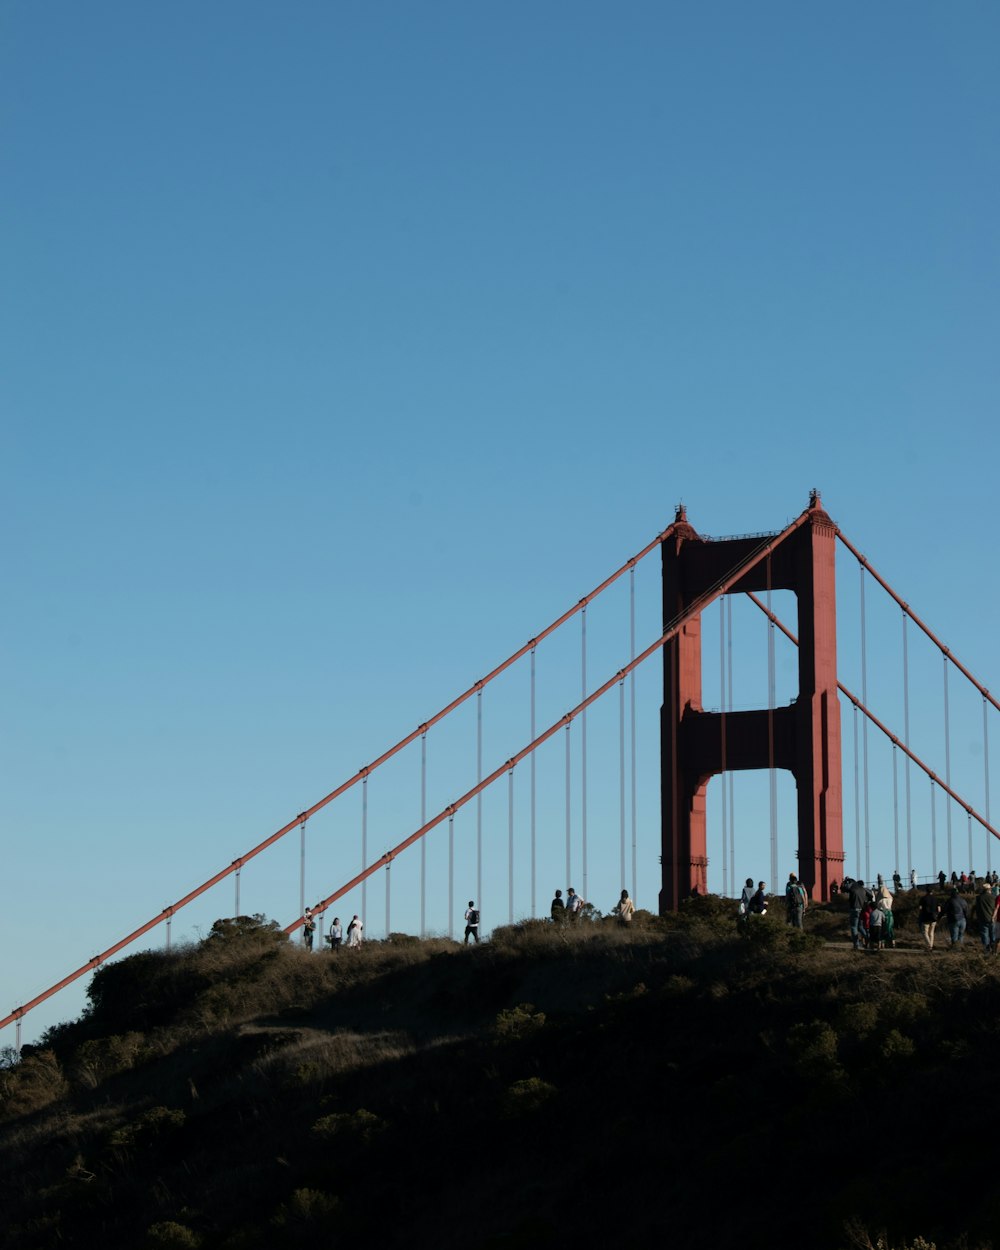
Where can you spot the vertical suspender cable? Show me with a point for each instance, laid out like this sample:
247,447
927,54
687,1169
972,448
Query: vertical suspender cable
479,800
864,727
510,846
906,740
986,779
772,779
934,857
947,761
423,841
621,775
364,850
17,1029
583,743
729,687
302,868
237,876
722,748
451,875
534,907
569,848
169,922
388,928
857,797
631,679
968,818
895,806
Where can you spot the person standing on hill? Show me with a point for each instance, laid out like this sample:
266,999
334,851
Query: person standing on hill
558,909
354,931
336,933
928,916
758,904
574,904
956,912
308,928
857,897
471,923
625,910
743,913
986,910
795,901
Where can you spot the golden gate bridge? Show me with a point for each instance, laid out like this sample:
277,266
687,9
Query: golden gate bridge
803,738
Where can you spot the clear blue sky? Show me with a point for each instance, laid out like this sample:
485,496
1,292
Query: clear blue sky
345,345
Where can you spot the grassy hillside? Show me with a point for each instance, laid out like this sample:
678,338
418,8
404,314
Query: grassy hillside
671,1084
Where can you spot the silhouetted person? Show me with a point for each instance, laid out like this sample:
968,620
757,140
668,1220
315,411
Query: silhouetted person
558,908
308,928
928,916
471,922
857,897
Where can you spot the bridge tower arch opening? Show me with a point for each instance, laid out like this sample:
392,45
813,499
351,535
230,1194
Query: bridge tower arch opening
803,737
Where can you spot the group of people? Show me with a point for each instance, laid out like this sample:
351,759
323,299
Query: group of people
355,930
569,909
955,912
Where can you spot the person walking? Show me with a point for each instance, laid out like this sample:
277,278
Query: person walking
956,912
857,897
471,923
795,901
928,915
986,911
625,910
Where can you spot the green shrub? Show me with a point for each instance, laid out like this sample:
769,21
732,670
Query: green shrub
525,1097
169,1235
519,1022
359,1126
155,1123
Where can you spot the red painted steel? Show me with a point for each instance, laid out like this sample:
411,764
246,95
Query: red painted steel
803,738
19,1012
746,565
896,741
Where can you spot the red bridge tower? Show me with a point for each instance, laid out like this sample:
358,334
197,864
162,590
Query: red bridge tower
803,737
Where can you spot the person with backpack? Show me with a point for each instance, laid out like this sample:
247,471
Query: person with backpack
795,901
471,923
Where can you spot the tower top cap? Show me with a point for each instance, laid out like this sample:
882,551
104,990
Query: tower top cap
681,513
814,499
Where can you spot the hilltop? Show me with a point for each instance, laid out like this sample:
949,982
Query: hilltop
669,1082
